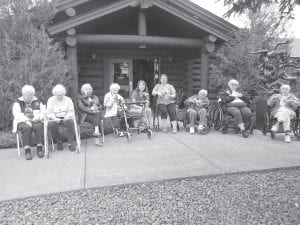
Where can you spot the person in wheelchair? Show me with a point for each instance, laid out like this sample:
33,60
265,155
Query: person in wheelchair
166,102
237,105
90,110
140,94
197,106
60,110
283,109
28,115
113,103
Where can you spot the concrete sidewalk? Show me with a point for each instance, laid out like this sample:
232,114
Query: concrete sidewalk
166,156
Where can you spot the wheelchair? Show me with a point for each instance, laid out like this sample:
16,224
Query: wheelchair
206,129
127,114
269,121
221,119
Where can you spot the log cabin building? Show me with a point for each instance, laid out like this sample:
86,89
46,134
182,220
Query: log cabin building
125,41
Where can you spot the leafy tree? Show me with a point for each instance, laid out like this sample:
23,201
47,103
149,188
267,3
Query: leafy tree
27,54
234,58
286,7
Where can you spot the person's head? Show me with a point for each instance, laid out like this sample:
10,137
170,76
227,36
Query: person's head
285,89
59,91
114,88
86,90
163,78
142,86
233,84
202,93
28,93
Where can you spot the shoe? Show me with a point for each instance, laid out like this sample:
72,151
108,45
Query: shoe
97,134
72,147
200,128
121,134
274,128
39,150
192,130
287,138
245,133
60,146
98,143
28,155
174,131
165,130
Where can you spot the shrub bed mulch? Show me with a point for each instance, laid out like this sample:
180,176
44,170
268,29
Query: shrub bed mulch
254,198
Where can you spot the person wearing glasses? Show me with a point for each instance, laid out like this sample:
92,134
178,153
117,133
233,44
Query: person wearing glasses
237,105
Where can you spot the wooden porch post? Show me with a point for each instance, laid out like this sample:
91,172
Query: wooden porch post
72,56
204,69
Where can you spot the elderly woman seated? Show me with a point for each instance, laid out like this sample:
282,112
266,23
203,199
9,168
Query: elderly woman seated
196,106
28,115
60,110
90,110
112,103
141,94
237,105
283,109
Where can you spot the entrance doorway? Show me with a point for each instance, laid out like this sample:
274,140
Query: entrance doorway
143,69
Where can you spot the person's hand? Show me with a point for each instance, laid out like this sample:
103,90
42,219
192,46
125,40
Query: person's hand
115,97
159,94
28,122
238,95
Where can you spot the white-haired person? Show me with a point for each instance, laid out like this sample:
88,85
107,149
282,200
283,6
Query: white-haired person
112,104
237,105
283,109
90,109
166,102
197,107
60,110
28,115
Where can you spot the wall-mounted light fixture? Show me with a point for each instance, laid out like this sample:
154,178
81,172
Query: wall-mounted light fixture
170,58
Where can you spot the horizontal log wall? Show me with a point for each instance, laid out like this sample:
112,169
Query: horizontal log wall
91,71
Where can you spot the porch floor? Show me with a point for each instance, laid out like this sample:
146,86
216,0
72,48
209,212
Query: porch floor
166,156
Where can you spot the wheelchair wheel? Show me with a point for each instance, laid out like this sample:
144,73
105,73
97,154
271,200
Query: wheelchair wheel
266,122
224,130
149,134
236,129
217,118
296,129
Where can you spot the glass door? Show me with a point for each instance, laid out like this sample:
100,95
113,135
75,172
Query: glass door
121,70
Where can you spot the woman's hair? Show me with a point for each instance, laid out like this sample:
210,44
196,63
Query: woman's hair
138,84
59,88
232,81
85,87
28,89
164,75
285,86
114,86
203,91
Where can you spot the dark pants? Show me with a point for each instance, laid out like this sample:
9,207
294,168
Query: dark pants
167,109
91,118
69,124
26,130
241,115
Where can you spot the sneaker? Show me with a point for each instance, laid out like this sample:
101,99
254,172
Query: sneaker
274,128
121,134
97,134
192,130
245,133
165,130
60,146
98,142
200,128
174,131
28,155
39,150
287,138
72,147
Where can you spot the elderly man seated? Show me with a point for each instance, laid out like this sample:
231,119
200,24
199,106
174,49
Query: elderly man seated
196,106
90,110
27,112
60,110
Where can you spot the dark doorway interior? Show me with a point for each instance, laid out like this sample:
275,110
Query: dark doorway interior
143,69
